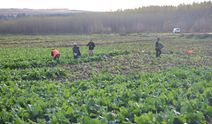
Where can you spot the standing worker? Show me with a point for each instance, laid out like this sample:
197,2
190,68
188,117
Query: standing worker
76,51
158,47
55,54
91,46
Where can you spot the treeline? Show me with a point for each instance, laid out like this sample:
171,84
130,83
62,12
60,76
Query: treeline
196,17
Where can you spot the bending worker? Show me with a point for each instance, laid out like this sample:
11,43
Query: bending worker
76,51
55,54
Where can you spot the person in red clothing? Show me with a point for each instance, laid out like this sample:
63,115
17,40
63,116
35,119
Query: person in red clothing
55,54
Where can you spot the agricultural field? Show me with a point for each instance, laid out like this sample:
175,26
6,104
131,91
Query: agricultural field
122,83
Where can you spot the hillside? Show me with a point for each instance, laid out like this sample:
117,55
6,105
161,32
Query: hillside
15,13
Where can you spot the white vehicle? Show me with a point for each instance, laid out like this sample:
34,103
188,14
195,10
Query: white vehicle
176,30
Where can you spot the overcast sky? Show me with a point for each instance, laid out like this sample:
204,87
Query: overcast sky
91,5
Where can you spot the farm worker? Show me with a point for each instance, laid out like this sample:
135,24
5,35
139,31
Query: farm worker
76,51
158,47
91,46
55,54
189,52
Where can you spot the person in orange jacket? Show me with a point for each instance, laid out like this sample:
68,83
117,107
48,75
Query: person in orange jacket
55,54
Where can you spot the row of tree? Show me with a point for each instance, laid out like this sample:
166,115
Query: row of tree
190,18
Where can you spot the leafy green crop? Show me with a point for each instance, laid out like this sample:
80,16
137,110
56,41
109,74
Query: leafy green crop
163,97
123,83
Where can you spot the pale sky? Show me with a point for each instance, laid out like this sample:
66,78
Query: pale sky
90,5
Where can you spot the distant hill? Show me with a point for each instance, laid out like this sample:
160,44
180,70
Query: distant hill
196,17
14,13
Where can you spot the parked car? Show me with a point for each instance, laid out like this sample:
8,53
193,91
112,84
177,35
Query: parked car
176,30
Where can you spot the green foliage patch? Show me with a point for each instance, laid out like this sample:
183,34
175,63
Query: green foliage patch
177,95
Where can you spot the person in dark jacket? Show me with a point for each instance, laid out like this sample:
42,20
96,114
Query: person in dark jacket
91,46
158,47
76,51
